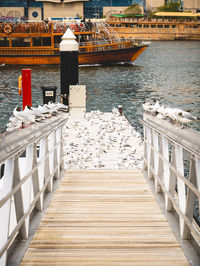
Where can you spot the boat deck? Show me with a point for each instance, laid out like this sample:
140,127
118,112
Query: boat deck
104,217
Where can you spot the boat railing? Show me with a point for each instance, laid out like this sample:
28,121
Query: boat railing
30,162
103,45
26,27
156,20
29,51
172,162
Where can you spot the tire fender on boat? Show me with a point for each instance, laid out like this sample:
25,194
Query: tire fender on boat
7,29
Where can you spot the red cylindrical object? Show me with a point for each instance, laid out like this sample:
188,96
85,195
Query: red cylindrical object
26,87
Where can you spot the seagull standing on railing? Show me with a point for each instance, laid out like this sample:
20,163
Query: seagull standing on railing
35,112
151,107
23,117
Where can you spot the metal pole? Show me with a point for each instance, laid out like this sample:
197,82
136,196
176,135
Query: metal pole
26,87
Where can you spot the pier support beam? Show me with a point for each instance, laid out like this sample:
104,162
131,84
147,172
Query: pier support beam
68,63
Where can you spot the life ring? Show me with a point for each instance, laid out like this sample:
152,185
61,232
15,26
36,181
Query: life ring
7,29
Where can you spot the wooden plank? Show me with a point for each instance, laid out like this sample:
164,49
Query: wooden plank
104,218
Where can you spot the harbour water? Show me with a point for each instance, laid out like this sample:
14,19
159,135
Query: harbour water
168,71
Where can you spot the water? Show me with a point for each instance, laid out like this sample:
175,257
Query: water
168,71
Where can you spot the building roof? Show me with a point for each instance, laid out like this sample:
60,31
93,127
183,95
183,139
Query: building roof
177,14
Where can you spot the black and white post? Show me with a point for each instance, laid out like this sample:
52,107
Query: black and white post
68,63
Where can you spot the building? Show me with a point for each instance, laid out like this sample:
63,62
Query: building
154,4
100,8
191,5
37,9
41,9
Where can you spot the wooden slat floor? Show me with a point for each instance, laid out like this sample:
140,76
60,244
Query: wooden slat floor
104,217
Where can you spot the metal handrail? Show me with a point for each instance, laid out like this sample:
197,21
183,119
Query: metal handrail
164,148
19,140
26,170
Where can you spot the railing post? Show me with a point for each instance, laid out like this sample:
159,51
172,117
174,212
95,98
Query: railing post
180,185
145,147
156,160
5,211
166,175
18,200
172,180
55,158
149,153
189,209
36,181
198,176
27,166
47,167
61,150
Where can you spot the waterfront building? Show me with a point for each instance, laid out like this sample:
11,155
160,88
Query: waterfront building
154,4
100,8
192,5
41,9
37,9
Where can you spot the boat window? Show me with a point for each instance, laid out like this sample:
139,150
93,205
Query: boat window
153,26
4,42
173,26
139,26
146,26
160,26
195,27
57,40
21,42
36,41
166,26
46,41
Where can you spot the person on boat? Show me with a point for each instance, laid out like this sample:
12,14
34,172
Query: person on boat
89,25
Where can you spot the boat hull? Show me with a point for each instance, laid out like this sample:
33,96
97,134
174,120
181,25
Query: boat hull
99,57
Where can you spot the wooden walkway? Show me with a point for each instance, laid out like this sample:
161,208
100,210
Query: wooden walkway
104,217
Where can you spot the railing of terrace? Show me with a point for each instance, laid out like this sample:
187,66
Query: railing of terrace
172,161
30,161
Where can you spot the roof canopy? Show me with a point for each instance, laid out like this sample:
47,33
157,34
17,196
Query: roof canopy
177,14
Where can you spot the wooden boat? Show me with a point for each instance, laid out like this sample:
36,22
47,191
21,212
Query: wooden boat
156,28
38,44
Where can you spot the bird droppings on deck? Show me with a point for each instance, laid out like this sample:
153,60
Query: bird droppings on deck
99,140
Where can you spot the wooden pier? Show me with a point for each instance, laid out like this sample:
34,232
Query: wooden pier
104,217
99,215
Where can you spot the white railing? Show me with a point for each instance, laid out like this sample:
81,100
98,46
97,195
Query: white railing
172,162
30,162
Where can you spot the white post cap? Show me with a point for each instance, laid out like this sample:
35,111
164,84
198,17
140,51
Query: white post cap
68,42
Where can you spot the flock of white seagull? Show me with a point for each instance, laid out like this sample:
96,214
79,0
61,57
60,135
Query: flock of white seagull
98,140
29,115
176,115
102,141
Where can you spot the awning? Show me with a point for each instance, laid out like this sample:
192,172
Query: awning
177,14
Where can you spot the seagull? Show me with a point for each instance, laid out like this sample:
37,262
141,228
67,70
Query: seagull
178,115
151,107
147,106
185,117
35,112
23,117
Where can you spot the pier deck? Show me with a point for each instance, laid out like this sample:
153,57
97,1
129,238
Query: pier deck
104,217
